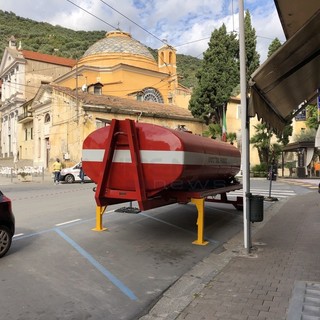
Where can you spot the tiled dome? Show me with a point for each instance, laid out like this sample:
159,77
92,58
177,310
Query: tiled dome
118,42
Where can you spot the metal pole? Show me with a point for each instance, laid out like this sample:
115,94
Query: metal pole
270,177
77,95
245,153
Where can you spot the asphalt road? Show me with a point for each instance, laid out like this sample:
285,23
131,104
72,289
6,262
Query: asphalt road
58,268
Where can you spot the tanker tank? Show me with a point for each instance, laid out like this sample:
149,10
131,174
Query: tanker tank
127,156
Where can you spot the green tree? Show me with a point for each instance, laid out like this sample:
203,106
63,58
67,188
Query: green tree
217,77
274,46
215,132
283,138
306,135
252,56
312,117
268,152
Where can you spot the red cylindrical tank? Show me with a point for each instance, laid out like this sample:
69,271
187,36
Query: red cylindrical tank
170,159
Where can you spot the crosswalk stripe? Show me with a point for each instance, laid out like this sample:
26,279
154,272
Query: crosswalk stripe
273,190
274,193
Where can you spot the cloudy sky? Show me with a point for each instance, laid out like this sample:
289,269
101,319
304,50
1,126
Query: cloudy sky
184,24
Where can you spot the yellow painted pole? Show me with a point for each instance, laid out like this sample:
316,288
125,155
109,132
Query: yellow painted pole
200,221
99,212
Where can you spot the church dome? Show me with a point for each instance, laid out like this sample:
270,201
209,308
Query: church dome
118,42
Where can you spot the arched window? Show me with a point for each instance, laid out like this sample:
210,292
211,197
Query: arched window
47,118
170,57
162,58
151,94
97,89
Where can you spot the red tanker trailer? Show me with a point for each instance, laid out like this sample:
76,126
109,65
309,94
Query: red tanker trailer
156,166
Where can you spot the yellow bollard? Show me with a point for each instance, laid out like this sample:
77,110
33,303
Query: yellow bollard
200,221
99,212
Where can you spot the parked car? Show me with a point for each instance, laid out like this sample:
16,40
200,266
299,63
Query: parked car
7,224
72,174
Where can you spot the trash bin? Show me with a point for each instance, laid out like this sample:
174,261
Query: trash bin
256,208
301,172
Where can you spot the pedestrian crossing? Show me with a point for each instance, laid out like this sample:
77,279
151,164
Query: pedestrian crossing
310,185
278,193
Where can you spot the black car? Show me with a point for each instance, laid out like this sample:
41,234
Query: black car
7,224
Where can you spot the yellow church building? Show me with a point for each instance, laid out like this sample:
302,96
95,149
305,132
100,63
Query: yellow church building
117,77
121,66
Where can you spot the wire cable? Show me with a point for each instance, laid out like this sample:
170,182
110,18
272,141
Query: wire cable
110,25
161,40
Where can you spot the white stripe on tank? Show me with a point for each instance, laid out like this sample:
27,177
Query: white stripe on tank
162,157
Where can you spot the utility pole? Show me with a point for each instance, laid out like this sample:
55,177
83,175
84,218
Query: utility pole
245,153
77,97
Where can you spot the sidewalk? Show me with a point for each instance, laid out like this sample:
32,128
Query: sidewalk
270,283
46,177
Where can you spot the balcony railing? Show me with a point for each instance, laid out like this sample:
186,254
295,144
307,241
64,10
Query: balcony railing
26,117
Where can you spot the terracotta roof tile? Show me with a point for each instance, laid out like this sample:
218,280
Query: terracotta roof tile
122,104
31,55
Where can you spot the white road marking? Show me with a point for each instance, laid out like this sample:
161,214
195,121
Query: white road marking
18,235
67,222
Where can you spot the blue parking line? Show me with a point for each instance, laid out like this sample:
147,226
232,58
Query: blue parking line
97,265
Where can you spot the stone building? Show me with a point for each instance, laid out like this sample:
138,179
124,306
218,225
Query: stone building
22,72
63,118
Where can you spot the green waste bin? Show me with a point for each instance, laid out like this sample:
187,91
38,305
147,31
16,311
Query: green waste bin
256,208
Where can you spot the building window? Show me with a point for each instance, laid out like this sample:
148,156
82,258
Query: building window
47,118
26,134
101,124
31,133
151,94
97,89
170,57
39,148
239,111
302,116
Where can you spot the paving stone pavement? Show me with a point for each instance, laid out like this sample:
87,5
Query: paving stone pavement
232,284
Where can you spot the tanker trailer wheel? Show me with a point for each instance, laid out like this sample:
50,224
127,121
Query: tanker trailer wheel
69,178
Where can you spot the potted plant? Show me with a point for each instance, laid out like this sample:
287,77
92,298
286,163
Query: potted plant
24,176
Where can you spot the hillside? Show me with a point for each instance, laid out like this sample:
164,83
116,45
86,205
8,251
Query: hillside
56,40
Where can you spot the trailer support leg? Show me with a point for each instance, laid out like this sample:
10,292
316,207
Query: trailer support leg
200,221
99,212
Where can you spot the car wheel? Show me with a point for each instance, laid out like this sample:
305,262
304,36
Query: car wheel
69,178
5,240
